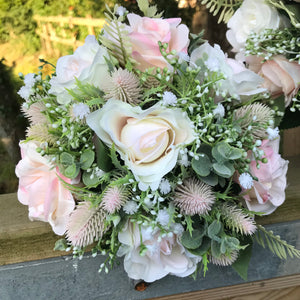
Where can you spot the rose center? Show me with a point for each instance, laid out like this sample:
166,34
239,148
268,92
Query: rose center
146,139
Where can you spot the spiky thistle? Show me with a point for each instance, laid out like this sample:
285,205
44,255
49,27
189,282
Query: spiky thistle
86,225
35,113
256,118
194,197
123,85
236,220
225,260
39,132
114,198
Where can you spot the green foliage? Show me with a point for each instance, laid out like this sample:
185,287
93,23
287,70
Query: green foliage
116,38
242,263
215,161
86,159
102,155
225,8
60,245
278,246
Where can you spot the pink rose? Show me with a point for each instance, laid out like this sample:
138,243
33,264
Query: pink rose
268,192
40,188
280,76
145,33
162,255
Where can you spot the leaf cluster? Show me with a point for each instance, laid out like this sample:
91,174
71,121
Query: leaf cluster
213,164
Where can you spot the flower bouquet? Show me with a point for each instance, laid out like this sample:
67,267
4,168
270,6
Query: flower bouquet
149,143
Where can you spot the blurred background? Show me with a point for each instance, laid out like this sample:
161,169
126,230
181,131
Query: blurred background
47,29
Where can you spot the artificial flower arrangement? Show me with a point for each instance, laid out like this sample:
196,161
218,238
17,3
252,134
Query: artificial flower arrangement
151,144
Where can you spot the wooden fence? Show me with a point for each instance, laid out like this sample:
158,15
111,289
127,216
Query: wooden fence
60,29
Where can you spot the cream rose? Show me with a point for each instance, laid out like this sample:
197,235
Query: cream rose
145,33
148,141
268,192
87,64
163,255
252,17
39,188
240,82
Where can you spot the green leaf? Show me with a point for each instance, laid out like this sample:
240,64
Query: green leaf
215,249
202,166
86,159
242,262
61,245
211,179
235,153
102,155
89,180
214,228
71,171
192,241
114,158
225,169
204,247
66,159
217,154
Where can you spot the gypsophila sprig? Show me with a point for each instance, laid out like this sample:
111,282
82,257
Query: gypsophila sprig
146,145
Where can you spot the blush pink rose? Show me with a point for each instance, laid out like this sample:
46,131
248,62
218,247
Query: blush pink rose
280,75
269,191
162,256
40,188
145,33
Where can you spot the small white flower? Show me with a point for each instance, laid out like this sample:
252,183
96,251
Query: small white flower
273,133
25,92
130,207
121,11
169,99
184,160
219,111
99,172
165,186
80,110
163,217
246,180
29,80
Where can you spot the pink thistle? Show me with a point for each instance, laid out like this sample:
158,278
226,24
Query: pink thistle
124,86
225,260
114,198
35,113
237,220
194,197
86,225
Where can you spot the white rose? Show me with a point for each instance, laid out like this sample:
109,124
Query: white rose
87,64
148,141
240,82
163,255
252,17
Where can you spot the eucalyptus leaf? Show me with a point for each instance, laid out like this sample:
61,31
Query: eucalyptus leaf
214,228
211,179
235,153
215,249
89,180
71,171
87,159
204,247
66,159
192,241
202,166
223,169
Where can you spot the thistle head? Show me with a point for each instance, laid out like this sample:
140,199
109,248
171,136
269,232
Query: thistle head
194,197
